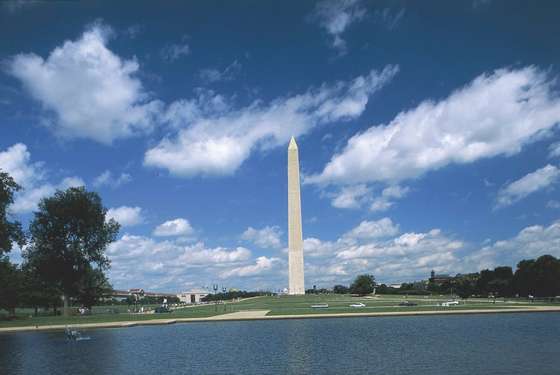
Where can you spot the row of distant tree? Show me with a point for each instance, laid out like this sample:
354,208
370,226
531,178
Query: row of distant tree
362,285
533,277
63,250
131,300
234,294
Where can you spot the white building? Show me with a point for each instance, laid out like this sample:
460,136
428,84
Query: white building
193,296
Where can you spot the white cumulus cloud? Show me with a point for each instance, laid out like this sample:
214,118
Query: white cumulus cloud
356,196
412,255
388,197
92,92
530,243
139,261
32,177
16,161
376,247
176,227
126,216
219,140
554,150
351,196
108,179
496,114
261,265
373,229
528,184
267,237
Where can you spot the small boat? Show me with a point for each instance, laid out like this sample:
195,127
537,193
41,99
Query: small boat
320,306
357,305
75,335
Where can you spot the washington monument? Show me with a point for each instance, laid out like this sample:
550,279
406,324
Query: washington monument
295,240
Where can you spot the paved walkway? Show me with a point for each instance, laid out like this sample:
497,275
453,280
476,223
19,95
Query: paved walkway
241,315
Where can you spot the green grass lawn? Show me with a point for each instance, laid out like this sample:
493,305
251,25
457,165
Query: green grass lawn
282,305
296,305
189,312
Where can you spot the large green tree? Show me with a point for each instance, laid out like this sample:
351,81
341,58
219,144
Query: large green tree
36,292
11,285
465,285
340,289
10,230
363,284
540,277
93,286
497,282
69,236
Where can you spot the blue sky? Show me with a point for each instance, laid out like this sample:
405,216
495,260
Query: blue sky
428,133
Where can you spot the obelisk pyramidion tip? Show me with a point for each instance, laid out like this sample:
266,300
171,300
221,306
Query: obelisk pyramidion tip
293,144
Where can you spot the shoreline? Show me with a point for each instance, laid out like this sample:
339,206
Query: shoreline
260,316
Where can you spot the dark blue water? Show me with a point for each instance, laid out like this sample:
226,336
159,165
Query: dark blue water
479,344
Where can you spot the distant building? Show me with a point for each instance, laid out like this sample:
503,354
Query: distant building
396,286
192,297
439,279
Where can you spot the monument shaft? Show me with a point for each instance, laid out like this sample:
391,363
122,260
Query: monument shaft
295,240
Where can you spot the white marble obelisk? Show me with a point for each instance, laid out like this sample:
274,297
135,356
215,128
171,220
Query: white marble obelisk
295,240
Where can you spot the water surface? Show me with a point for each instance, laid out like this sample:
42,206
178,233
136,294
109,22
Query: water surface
468,344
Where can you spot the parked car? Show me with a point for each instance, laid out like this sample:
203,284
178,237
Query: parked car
358,305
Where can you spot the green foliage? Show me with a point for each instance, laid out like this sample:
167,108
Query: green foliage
540,278
465,285
69,235
232,295
10,231
36,293
524,278
341,289
362,285
93,286
497,282
382,289
10,285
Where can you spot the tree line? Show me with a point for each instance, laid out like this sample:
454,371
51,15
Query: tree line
233,294
532,278
63,250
